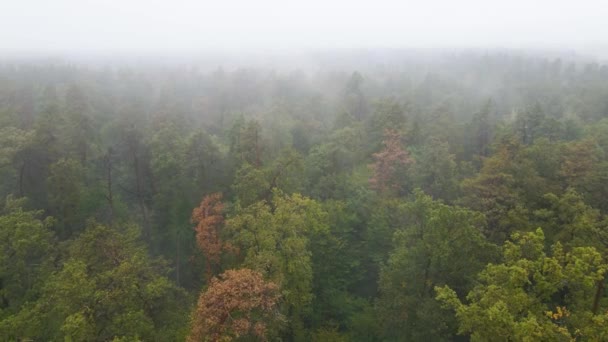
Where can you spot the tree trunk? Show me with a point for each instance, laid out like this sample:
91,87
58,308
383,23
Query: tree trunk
110,195
598,295
177,262
21,175
140,196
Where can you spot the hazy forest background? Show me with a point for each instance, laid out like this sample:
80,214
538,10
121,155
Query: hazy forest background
359,195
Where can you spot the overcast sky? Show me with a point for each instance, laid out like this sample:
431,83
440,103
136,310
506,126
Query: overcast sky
190,25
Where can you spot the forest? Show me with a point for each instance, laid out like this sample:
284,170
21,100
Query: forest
395,196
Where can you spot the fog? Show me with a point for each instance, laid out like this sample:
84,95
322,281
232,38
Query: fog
312,170
177,28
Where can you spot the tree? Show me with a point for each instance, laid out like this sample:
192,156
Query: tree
253,184
569,220
496,191
204,167
134,157
248,145
578,161
12,142
36,155
79,129
354,99
428,251
328,163
237,304
529,123
171,201
65,195
250,184
28,256
108,287
482,126
339,271
533,296
208,217
584,166
274,239
388,115
109,189
388,164
435,170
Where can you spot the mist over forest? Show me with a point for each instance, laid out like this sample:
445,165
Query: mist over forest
318,172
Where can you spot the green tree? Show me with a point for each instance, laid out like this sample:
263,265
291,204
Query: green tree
505,190
329,162
388,115
482,126
584,166
36,155
253,184
339,270
274,239
65,195
172,199
108,287
428,252
435,170
12,142
531,296
79,131
354,99
569,220
28,257
248,146
529,124
205,167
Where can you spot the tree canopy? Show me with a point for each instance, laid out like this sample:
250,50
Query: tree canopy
360,196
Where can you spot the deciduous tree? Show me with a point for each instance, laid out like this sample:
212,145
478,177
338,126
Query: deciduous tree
209,219
389,163
428,251
532,296
236,305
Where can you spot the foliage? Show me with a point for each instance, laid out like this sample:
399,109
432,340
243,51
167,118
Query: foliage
108,287
427,253
101,168
28,257
209,218
274,239
237,304
533,296
388,163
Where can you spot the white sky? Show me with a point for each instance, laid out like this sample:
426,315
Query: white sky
189,25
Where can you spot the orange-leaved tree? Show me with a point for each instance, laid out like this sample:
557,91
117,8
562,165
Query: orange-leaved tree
208,217
238,304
